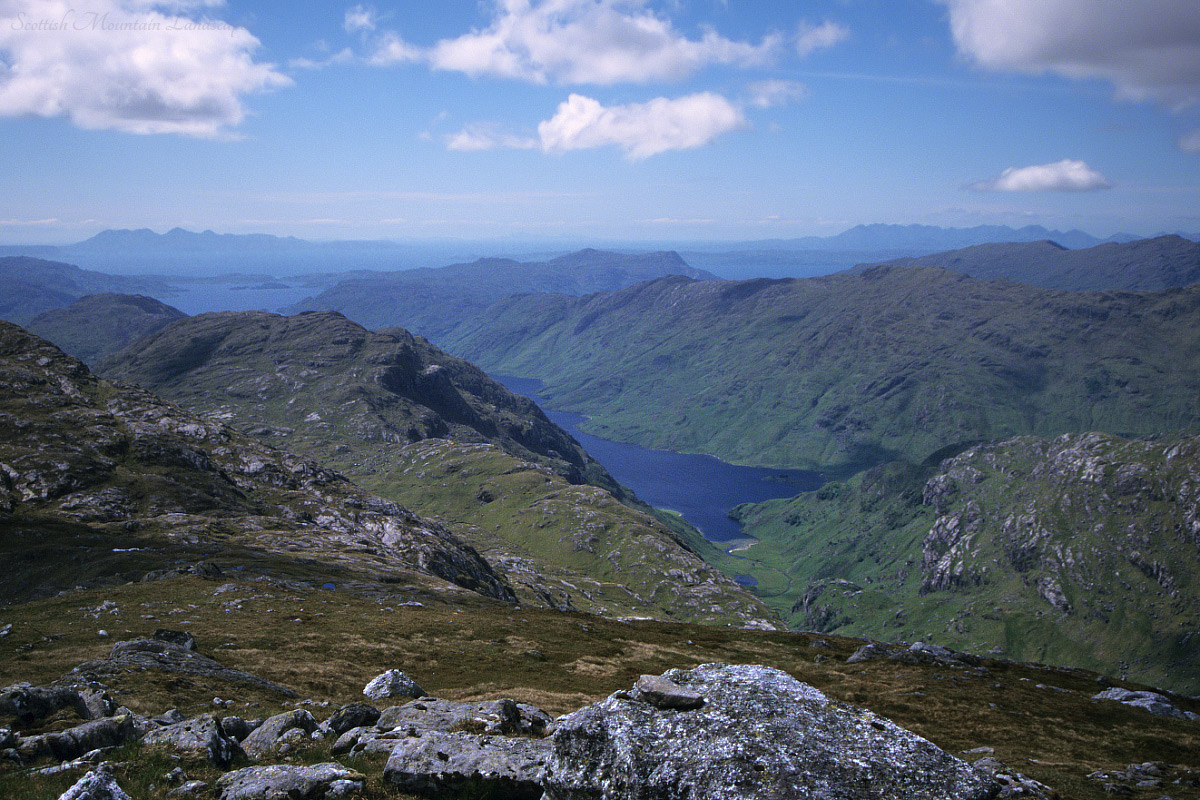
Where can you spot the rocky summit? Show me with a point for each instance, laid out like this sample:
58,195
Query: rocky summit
100,483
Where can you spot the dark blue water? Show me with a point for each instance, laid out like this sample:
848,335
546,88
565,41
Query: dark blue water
701,488
197,298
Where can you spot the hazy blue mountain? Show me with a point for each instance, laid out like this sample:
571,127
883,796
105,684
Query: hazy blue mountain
98,325
1143,265
432,302
29,286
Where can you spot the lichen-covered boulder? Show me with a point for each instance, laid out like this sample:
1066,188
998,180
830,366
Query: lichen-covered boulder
99,784
488,716
278,781
355,715
266,738
201,737
759,734
392,683
437,764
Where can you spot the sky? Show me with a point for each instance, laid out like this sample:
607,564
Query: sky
596,120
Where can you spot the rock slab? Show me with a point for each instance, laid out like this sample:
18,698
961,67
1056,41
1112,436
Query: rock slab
760,735
438,764
280,781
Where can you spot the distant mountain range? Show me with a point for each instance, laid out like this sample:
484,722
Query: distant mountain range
1143,265
29,286
431,302
847,370
183,252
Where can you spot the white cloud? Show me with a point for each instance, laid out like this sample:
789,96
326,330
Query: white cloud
391,49
343,56
478,138
810,38
1190,141
127,65
1148,49
589,41
1067,175
359,19
640,129
771,93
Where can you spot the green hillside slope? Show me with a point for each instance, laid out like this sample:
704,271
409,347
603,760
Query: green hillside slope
1082,550
849,370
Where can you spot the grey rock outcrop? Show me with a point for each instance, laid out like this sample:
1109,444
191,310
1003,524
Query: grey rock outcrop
392,683
316,782
270,736
662,693
201,737
74,742
99,784
138,655
435,764
488,716
1153,702
760,734
32,703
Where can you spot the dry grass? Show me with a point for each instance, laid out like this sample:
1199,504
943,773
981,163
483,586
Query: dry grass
342,641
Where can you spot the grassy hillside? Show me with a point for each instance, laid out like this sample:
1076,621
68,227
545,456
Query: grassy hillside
30,286
433,432
98,325
1083,550
431,301
849,370
1144,265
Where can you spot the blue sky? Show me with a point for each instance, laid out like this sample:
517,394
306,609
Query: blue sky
596,120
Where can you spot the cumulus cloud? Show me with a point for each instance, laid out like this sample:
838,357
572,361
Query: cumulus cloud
640,129
589,41
128,65
810,38
1067,175
771,93
1149,49
391,49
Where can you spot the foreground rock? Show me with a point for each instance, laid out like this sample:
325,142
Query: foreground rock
279,733
280,781
759,734
98,784
436,764
201,737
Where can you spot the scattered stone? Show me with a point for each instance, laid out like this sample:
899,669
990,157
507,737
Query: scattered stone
316,782
436,763
761,734
355,715
1013,783
662,693
488,716
269,736
178,638
189,789
169,717
99,784
869,652
201,737
392,683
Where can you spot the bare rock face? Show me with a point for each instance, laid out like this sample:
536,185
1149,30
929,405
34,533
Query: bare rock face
760,734
487,716
438,764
